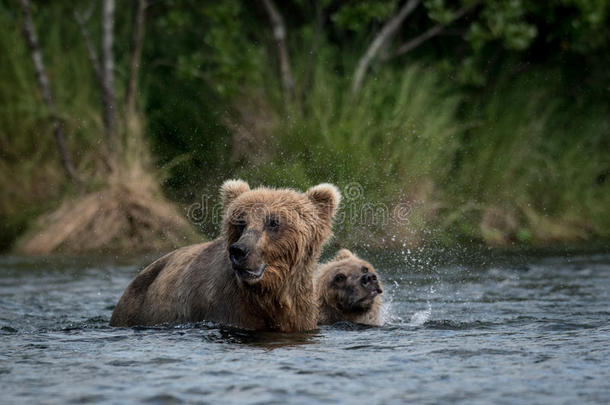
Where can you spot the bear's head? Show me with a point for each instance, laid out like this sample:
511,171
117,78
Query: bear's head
271,233
348,284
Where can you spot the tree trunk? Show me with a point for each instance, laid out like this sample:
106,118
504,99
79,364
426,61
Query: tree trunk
385,35
137,40
91,53
279,34
45,89
313,52
107,76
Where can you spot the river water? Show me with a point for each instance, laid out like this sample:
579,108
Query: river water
510,329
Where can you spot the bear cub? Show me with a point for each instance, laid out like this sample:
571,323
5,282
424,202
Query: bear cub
348,289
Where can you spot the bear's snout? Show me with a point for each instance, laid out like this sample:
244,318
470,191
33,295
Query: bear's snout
370,282
246,262
238,253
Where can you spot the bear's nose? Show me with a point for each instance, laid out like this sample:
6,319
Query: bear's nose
366,279
369,281
238,253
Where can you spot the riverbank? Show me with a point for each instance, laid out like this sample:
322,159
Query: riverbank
486,145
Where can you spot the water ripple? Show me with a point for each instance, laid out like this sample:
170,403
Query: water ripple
529,330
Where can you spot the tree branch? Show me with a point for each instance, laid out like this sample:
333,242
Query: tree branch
430,33
279,34
81,20
137,40
385,35
107,74
417,41
31,39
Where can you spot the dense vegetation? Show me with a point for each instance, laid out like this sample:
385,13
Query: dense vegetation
471,121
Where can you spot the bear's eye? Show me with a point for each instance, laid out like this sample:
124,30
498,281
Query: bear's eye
340,278
273,224
365,269
240,225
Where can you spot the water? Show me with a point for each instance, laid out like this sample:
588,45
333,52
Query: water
524,329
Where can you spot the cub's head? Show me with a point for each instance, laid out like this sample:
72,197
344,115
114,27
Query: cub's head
270,232
348,286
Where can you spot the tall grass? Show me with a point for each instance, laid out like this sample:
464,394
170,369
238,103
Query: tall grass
527,170
31,176
517,165
392,143
518,162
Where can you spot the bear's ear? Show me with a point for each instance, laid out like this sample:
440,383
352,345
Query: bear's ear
230,190
343,254
326,197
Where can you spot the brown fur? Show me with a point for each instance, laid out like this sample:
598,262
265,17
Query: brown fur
272,289
347,299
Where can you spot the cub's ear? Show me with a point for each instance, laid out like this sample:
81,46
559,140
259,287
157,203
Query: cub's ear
230,190
343,254
326,197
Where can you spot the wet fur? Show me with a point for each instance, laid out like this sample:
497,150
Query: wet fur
198,282
330,310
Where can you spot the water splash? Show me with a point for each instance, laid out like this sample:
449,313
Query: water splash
421,317
388,315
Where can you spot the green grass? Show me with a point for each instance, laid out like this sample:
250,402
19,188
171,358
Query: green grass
518,162
396,140
31,176
530,165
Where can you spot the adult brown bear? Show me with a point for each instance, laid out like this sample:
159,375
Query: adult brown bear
257,275
348,289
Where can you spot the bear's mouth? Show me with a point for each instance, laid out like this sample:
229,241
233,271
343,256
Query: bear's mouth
247,274
365,300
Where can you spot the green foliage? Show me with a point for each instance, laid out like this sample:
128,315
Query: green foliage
388,142
31,177
587,27
504,20
533,156
357,16
439,12
496,130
